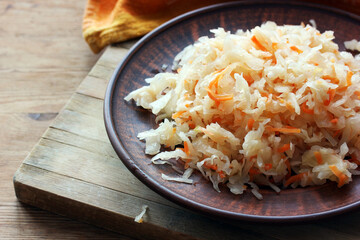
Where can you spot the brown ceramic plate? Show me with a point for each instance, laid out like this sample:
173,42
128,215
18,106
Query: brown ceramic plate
125,120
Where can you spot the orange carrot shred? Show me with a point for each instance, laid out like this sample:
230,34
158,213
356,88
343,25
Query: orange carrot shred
336,133
332,79
305,108
258,44
294,48
284,148
331,93
178,114
285,130
219,98
268,166
274,46
210,166
249,79
293,179
186,148
221,174
250,123
348,78
341,176
358,94
334,121
318,157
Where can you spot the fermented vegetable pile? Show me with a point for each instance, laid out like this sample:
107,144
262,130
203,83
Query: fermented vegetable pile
276,106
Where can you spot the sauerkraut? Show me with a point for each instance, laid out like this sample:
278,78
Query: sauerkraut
275,106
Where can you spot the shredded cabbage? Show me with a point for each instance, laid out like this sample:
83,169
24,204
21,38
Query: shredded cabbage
276,106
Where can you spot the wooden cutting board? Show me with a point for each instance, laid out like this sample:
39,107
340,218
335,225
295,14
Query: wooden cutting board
73,171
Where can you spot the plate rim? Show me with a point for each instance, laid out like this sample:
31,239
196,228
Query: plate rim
168,193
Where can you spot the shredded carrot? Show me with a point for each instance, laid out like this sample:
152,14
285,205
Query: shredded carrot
285,130
268,166
174,130
287,163
178,114
284,148
305,108
258,44
186,148
249,79
331,93
250,123
354,159
274,46
318,157
334,121
332,79
216,119
358,94
293,179
215,82
221,174
294,48
210,166
187,105
348,78
341,176
336,133
178,70
219,98
264,94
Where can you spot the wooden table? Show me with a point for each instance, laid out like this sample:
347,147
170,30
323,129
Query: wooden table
43,58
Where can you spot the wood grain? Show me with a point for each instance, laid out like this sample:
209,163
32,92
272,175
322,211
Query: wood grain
43,58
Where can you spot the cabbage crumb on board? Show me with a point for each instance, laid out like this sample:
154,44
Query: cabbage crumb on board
275,106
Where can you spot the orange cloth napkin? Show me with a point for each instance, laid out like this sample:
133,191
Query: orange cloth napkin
110,21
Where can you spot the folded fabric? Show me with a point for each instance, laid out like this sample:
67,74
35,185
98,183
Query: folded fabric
111,21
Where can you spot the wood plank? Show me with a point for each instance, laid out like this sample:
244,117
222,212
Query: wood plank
96,168
42,60
97,202
41,91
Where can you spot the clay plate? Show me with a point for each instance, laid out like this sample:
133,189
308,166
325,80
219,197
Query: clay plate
124,120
